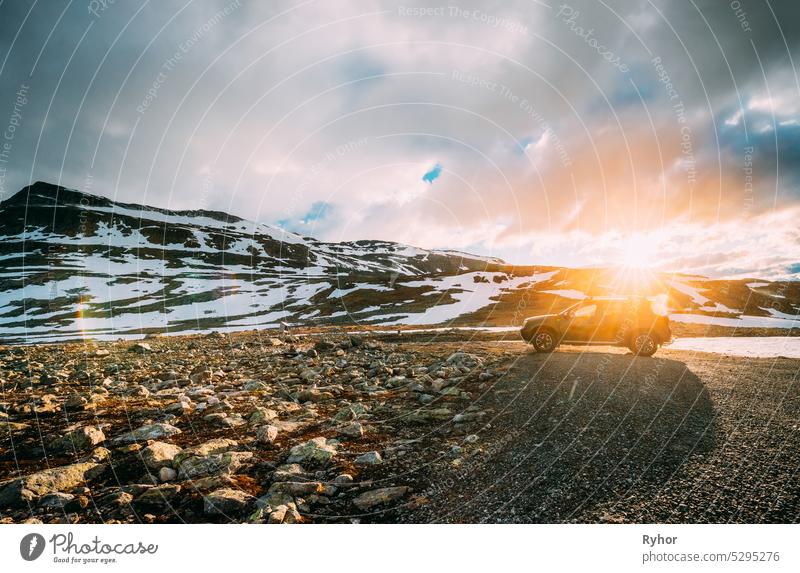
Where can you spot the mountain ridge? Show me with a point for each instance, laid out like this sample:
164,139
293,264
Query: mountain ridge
79,265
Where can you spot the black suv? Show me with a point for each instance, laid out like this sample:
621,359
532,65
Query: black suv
627,322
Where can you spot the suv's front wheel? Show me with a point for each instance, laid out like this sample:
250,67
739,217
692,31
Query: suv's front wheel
644,344
544,341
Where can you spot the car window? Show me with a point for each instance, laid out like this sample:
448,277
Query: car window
586,311
616,308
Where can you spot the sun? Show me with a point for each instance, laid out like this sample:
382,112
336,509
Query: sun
633,273
637,255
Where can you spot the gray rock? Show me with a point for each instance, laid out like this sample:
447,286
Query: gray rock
167,474
223,420
315,450
79,440
296,488
354,430
213,465
21,491
397,381
343,480
228,502
273,500
278,514
215,446
75,403
468,417
464,359
160,496
440,384
369,459
139,390
56,500
212,458
372,498
141,348
324,346
351,412
432,415
288,472
179,408
50,378
148,432
255,386
267,434
451,391
159,455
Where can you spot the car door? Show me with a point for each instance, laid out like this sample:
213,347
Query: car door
582,323
610,323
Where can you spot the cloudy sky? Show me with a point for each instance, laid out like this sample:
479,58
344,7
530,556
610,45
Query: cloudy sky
540,132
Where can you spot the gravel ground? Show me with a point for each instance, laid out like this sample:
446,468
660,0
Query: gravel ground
346,428
603,436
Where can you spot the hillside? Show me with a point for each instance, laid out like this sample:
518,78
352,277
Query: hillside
75,264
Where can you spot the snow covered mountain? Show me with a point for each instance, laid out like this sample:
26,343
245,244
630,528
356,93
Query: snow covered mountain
74,264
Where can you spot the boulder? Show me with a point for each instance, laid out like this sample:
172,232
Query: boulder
160,496
213,465
55,500
354,430
21,491
315,450
167,474
215,446
467,417
212,458
255,386
297,488
288,472
148,432
369,459
228,502
79,440
324,346
159,455
464,360
267,434
141,348
370,499
343,480
351,412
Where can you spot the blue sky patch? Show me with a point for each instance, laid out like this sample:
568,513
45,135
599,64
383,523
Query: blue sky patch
524,143
318,211
433,174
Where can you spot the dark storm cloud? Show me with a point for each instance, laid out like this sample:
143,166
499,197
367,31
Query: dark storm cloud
632,112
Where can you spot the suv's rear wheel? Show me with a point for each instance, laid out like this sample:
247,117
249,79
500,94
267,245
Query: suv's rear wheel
544,341
644,344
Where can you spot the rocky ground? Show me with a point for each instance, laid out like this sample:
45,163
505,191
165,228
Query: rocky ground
370,427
